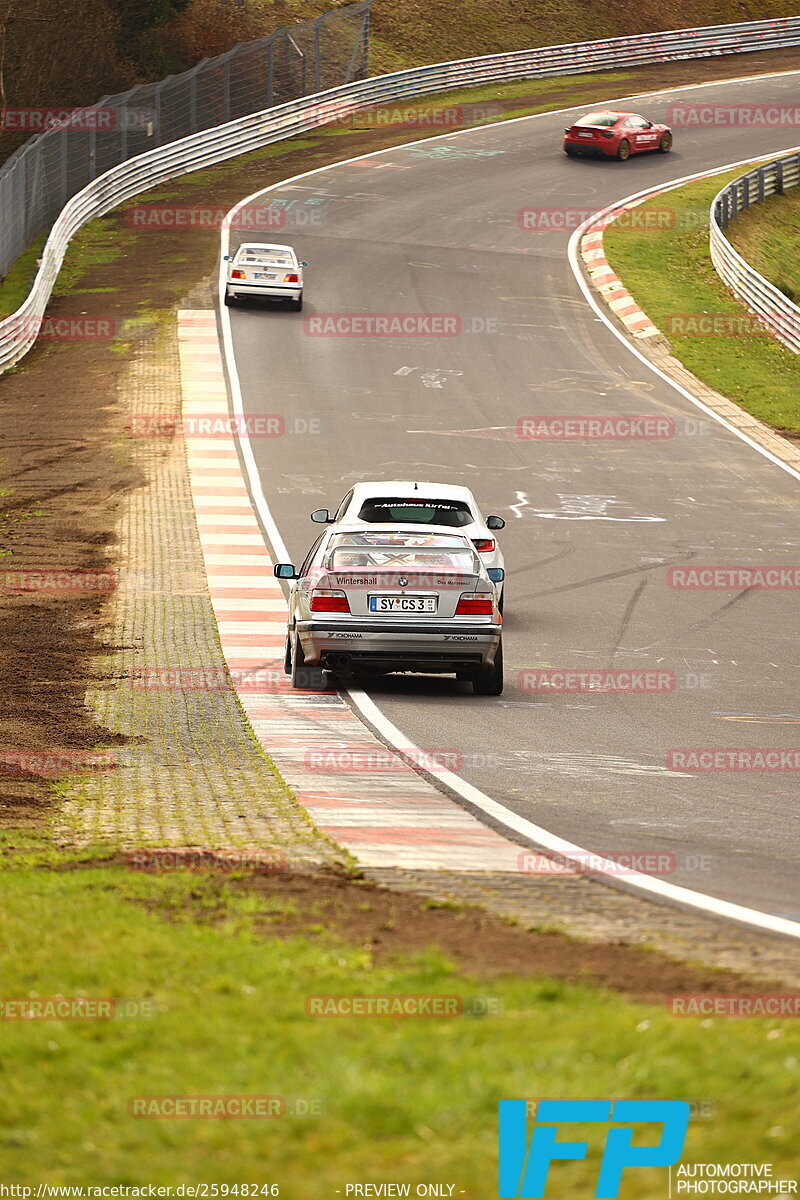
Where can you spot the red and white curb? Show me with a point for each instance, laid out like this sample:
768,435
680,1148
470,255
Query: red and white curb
360,793
608,284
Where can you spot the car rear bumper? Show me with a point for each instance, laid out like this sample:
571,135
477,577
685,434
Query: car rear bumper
399,645
276,291
606,146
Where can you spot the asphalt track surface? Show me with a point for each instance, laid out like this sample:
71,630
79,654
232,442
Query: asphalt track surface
591,526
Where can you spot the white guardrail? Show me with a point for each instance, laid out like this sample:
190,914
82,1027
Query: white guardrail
19,331
774,310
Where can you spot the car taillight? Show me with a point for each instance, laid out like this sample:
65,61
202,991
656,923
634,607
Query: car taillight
484,545
569,129
475,606
606,133
291,279
331,602
238,275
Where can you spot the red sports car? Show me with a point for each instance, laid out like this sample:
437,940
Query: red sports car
616,135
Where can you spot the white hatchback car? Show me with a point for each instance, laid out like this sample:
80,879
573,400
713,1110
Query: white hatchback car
261,269
441,505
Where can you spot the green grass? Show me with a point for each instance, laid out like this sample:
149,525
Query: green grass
767,236
669,271
404,1100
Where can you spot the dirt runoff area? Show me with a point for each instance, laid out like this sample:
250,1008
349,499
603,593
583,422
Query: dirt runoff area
65,454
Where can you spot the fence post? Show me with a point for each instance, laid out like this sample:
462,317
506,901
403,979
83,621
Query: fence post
193,103
762,183
779,177
318,54
270,100
226,89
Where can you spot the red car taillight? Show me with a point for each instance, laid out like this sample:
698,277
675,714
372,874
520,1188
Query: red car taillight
484,545
238,275
475,606
330,602
291,279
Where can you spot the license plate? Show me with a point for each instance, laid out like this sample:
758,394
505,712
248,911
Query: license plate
403,604
585,135
261,275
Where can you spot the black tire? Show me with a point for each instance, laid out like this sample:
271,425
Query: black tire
665,145
502,600
305,678
296,305
230,301
570,151
624,150
490,682
287,656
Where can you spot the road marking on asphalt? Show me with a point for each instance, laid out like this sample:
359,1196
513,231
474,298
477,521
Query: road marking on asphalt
505,818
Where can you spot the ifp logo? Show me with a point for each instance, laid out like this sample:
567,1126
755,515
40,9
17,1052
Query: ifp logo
524,1168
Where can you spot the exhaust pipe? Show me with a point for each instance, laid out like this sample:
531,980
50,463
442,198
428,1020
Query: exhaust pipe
338,661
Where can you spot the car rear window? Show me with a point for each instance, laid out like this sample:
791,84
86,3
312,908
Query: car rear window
354,551
606,119
387,509
279,260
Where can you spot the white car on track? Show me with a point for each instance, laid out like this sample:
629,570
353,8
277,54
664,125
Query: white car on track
443,506
265,270
383,598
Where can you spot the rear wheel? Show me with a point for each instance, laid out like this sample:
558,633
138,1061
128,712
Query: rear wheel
230,300
287,656
306,678
624,150
489,681
570,151
502,600
665,145
296,305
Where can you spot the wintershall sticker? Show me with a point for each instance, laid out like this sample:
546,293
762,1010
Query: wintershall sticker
525,1164
571,680
568,429
732,578
383,325
745,758
384,1006
766,1004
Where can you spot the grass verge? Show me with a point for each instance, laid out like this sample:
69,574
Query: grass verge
669,272
767,236
399,1099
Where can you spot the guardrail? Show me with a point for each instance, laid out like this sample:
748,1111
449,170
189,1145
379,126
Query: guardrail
774,310
18,332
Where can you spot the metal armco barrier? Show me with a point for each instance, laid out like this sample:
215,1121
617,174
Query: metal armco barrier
775,311
140,173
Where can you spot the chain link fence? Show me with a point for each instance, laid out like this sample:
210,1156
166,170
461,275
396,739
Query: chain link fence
81,144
